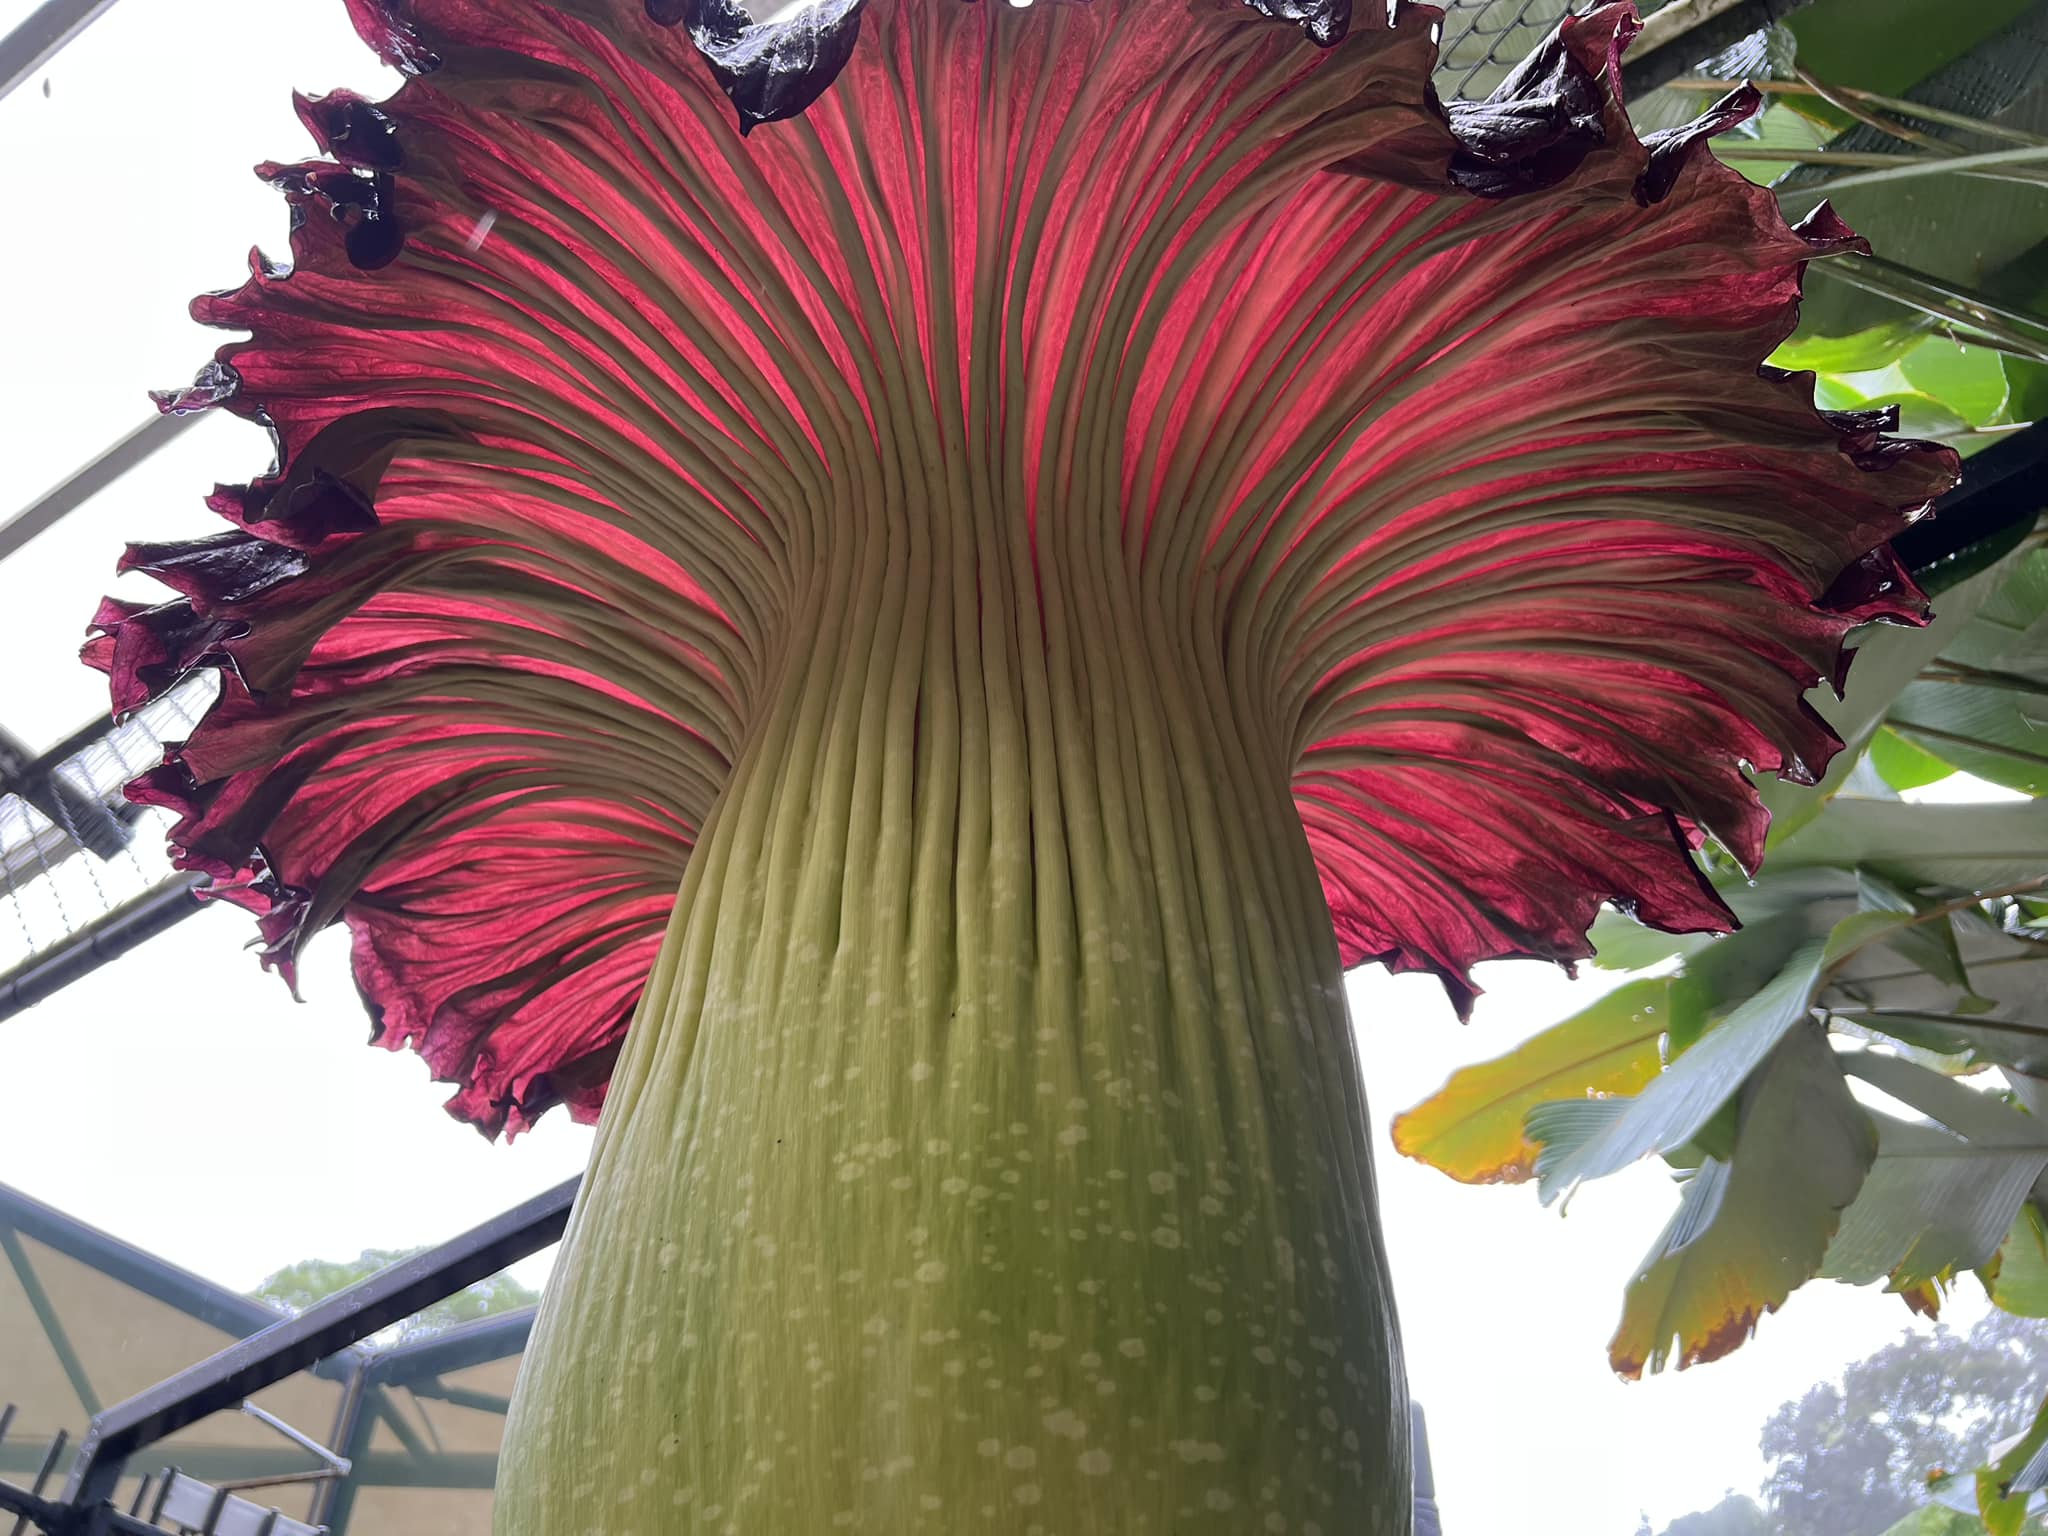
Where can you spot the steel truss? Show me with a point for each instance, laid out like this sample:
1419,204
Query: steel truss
77,1498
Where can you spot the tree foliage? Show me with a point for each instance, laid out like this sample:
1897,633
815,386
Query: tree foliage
1938,1520
1865,1455
1736,1515
1854,1457
297,1286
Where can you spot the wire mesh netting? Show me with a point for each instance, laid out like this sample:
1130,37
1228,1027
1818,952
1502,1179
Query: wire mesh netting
1484,39
72,848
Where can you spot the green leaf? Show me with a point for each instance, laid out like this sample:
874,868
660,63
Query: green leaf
1983,1117
1969,381
1969,1041
1933,1203
1673,1106
1891,45
1562,1126
2001,1516
1945,226
1958,847
2018,1279
1887,658
1939,1520
1717,1137
1982,705
1472,1129
1749,1233
2004,1487
1860,930
2032,1093
2027,389
1622,944
1995,733
1957,1492
1779,127
1970,988
1851,392
2031,1477
1864,352
2027,1461
1938,1200
1929,942
1904,766
1779,914
1920,415
1922,412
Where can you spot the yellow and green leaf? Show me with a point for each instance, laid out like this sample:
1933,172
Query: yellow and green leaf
1749,1232
2006,1487
1472,1127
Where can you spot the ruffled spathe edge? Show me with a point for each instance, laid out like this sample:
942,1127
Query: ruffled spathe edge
322,499
773,69
1564,104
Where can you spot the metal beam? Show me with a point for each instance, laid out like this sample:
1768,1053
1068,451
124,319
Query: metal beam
53,1325
208,1303
86,821
1686,31
445,1469
214,1463
101,471
334,1500
385,1411
107,938
2004,489
37,40
463,1397
457,1349
244,1369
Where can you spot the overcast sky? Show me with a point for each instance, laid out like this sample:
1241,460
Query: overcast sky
180,1100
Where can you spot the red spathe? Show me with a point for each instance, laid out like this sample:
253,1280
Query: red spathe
1446,430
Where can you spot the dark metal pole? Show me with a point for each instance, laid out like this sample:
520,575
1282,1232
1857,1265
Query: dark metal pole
2004,489
48,28
94,945
53,1326
335,1499
98,828
114,462
245,1368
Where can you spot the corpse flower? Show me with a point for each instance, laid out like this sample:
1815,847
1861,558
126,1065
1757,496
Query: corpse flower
954,605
